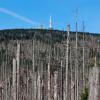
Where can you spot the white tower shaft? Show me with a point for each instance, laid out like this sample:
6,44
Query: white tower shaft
50,22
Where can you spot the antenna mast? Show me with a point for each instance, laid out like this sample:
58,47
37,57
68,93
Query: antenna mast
50,22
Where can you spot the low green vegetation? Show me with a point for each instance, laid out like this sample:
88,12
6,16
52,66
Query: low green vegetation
85,93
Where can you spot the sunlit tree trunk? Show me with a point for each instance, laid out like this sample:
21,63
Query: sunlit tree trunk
38,86
34,86
83,58
72,78
67,60
18,65
48,81
55,85
94,84
14,80
76,67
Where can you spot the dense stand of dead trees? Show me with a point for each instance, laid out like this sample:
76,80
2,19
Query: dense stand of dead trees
33,70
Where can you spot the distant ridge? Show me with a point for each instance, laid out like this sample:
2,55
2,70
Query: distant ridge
8,34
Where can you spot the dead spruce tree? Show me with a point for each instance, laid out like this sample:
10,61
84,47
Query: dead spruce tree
14,80
18,68
67,60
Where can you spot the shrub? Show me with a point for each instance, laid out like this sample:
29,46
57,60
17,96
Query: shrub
84,95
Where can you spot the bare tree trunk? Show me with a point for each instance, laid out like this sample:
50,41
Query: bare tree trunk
10,96
55,85
6,77
18,63
34,89
14,80
41,81
94,82
49,81
1,94
67,60
62,80
6,89
72,80
83,61
38,84
76,67
27,83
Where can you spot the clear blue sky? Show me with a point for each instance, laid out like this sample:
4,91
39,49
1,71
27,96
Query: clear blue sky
62,12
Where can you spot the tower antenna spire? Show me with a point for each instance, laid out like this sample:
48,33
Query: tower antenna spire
50,22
